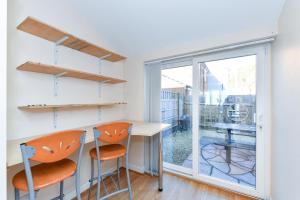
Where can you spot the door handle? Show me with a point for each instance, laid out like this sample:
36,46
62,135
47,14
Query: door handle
260,122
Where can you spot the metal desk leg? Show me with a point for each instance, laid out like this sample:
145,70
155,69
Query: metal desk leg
228,147
160,163
151,155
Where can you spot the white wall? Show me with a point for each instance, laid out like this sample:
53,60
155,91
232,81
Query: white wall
3,67
32,88
286,109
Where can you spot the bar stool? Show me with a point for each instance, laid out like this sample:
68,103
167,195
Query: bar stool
52,152
111,134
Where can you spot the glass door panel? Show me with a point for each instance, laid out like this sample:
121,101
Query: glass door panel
227,119
176,109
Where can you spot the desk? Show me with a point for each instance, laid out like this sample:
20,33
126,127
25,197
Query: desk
233,127
138,129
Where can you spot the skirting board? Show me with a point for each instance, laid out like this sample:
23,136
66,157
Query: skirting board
136,168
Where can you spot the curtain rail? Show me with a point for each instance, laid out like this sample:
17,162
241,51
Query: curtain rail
213,49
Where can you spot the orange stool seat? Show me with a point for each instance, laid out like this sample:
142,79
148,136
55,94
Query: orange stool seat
46,174
108,152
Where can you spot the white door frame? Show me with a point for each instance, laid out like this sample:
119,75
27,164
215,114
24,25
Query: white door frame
263,80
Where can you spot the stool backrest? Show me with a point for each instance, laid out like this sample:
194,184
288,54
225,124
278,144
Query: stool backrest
113,132
56,146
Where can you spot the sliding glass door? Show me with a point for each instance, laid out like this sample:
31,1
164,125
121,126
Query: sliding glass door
227,109
227,119
216,106
176,109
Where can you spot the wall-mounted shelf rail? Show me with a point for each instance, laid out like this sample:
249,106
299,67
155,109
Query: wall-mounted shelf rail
45,107
64,72
45,31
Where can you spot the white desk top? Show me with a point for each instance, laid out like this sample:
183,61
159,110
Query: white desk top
139,128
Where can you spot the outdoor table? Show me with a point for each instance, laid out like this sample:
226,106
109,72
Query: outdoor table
229,127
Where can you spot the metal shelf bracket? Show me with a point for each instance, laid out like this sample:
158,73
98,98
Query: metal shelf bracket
100,72
99,113
55,118
56,82
56,45
103,57
101,83
55,58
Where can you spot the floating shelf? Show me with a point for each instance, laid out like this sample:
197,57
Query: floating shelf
63,72
45,31
41,107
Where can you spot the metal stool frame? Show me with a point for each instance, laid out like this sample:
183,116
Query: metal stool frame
101,176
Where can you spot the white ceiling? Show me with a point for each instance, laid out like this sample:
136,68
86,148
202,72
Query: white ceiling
143,26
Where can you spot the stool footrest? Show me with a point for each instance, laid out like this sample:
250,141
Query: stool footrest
105,175
109,174
58,197
114,193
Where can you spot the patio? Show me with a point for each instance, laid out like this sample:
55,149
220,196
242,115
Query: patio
212,158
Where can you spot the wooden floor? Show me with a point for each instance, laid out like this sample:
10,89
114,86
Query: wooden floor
175,188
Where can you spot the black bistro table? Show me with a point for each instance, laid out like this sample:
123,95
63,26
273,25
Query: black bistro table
242,129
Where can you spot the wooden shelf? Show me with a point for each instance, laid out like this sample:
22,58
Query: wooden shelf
41,107
63,72
45,31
